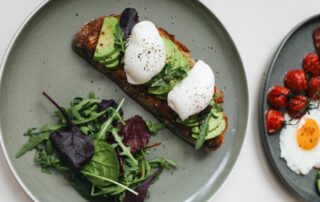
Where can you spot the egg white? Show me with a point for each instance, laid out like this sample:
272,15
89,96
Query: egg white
145,55
194,93
299,160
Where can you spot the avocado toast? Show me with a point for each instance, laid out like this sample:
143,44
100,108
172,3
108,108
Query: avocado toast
106,53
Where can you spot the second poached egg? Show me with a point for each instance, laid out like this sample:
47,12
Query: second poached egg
194,93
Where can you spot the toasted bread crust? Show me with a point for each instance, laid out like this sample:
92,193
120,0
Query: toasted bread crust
84,43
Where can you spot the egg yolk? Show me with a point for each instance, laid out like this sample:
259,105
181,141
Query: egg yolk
308,135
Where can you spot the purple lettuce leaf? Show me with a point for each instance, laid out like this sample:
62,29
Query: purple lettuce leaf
75,148
105,104
135,133
142,189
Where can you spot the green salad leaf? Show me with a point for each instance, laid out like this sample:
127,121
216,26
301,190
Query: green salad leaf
203,132
120,42
33,142
104,163
154,127
83,186
108,124
169,77
113,171
125,149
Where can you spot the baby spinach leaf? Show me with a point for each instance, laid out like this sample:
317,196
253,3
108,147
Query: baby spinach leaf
83,186
103,163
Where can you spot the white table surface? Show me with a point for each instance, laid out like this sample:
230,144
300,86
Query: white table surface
257,28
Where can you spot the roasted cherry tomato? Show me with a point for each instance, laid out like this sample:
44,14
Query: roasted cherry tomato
314,88
298,106
274,121
278,97
311,64
296,80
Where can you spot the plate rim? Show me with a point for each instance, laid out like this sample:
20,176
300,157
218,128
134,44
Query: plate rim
12,42
262,101
209,194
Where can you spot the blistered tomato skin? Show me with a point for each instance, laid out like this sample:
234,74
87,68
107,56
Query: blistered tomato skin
298,106
274,121
314,88
278,97
296,80
311,64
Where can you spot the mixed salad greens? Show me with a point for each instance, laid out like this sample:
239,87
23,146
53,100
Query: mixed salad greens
103,155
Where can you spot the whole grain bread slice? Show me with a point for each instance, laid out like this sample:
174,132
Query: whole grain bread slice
84,43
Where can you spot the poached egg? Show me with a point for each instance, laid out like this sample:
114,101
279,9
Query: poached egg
145,55
194,93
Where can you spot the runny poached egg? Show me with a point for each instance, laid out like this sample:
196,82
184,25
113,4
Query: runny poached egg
145,55
194,93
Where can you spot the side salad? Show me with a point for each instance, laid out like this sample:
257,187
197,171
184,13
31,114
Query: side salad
103,155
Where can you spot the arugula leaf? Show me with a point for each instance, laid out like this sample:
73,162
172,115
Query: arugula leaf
192,121
103,163
108,124
203,132
154,127
32,143
48,159
165,81
125,150
161,162
108,180
120,42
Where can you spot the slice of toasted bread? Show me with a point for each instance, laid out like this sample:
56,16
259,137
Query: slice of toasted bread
84,43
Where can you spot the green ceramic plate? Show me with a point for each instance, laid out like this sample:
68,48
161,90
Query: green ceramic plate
289,56
40,59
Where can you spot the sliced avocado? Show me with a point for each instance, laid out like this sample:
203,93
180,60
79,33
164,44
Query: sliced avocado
114,56
195,129
215,121
106,41
159,90
222,124
183,61
195,135
113,64
170,50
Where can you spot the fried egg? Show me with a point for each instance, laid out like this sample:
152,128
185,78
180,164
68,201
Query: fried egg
300,145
